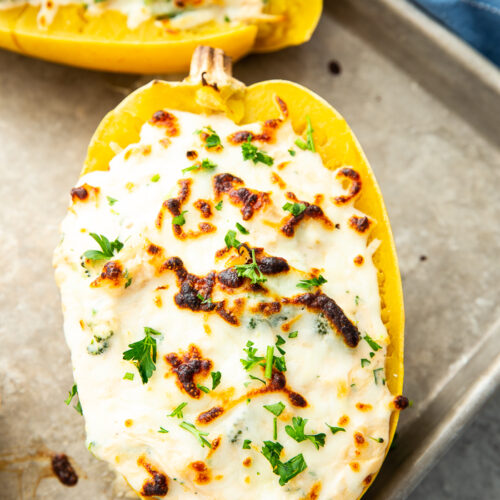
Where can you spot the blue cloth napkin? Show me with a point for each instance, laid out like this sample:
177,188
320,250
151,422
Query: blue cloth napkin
476,21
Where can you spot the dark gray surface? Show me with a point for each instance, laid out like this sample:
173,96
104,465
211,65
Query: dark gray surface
470,470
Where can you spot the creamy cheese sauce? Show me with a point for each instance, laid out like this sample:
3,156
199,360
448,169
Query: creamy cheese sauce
343,386
178,14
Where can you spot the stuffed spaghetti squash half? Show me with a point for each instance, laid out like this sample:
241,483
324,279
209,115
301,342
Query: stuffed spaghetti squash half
151,36
231,294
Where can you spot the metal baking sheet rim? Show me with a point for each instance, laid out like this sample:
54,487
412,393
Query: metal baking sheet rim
412,465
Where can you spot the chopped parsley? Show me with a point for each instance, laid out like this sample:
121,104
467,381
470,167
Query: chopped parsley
218,207
275,428
335,429
269,361
128,278
377,374
72,393
251,271
226,19
364,362
128,376
216,376
143,354
356,300
292,335
308,284
251,152
204,300
377,440
155,178
212,140
204,165
108,248
371,343
179,220
200,436
246,444
276,409
163,431
252,360
309,144
297,431
285,470
206,390
292,152
230,239
178,411
111,201
257,378
242,229
294,208
279,343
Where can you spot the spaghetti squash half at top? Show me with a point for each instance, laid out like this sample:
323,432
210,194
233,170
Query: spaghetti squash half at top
151,36
231,294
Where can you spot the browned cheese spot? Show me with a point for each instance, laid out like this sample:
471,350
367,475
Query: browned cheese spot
83,192
354,466
168,121
157,485
247,462
343,420
367,480
111,275
203,474
63,469
208,416
267,134
312,211
401,402
358,260
354,179
359,224
319,302
276,179
314,492
187,367
267,308
192,155
364,407
359,439
282,105
205,208
278,384
174,205
248,199
129,422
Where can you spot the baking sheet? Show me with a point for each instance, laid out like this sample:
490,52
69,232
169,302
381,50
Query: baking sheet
426,109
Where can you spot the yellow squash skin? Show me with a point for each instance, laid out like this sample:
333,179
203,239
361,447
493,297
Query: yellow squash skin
105,43
334,141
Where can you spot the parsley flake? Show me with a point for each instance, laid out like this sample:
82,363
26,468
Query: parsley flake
371,343
205,164
279,342
292,152
216,376
230,239
269,361
297,431
251,271
294,208
246,444
207,300
143,354
178,411
309,144
293,335
308,284
242,229
251,152
111,201
108,248
212,140
206,390
199,435
377,374
252,360
286,470
179,220
218,207
364,362
128,376
72,393
276,409
377,440
163,431
335,429
155,178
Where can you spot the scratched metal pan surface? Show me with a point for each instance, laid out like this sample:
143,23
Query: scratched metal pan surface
425,108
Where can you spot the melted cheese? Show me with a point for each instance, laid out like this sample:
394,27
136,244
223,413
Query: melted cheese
123,416
179,15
